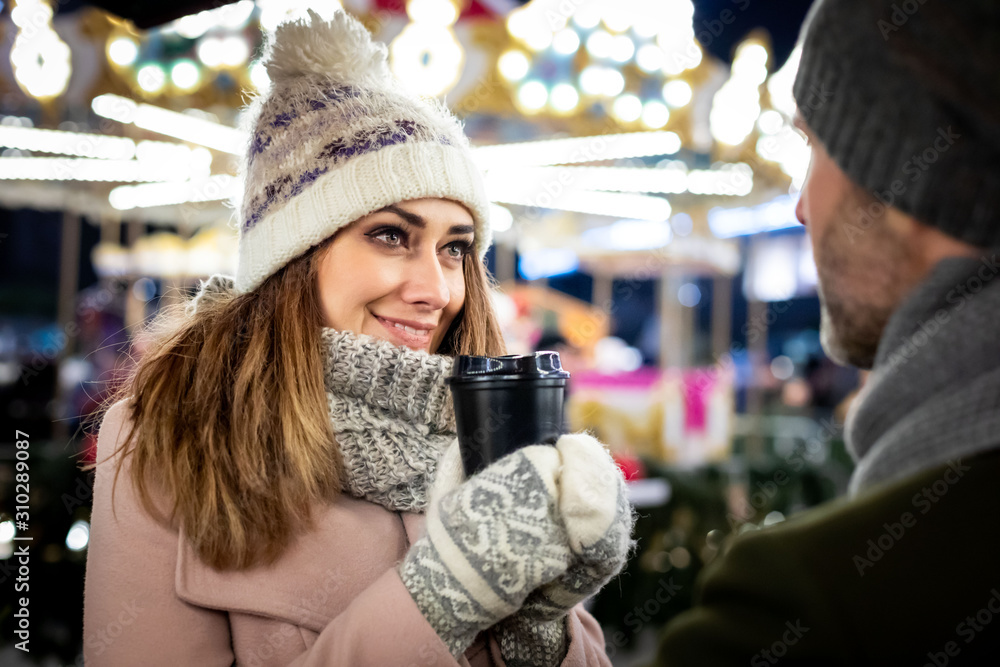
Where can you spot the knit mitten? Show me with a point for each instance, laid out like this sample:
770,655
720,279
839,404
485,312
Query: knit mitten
489,543
594,507
529,642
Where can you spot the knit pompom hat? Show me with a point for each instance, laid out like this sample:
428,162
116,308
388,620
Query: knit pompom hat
336,138
903,95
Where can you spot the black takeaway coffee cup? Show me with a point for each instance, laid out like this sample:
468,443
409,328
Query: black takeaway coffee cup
505,403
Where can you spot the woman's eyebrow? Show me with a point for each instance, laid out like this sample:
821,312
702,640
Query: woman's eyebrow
418,221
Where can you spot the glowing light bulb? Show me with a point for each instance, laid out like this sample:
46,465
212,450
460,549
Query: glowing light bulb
677,93
532,95
627,108
185,75
151,78
513,65
566,41
123,51
655,114
564,97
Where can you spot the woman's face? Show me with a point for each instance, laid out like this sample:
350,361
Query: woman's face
400,266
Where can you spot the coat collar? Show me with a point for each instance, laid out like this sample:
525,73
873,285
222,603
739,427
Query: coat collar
352,543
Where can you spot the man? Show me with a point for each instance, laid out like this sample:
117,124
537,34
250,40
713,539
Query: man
901,103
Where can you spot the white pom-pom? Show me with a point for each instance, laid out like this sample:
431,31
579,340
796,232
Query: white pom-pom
340,48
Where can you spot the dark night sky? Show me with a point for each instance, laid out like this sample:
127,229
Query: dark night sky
781,19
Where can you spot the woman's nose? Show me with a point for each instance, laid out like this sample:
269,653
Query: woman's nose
426,283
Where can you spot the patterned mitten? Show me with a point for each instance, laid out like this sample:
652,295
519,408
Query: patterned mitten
489,543
598,518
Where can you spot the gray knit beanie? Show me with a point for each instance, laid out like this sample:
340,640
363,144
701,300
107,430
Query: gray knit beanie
905,96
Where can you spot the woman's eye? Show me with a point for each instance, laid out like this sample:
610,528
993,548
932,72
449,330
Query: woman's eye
459,249
390,237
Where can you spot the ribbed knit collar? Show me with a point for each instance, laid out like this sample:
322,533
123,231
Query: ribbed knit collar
934,392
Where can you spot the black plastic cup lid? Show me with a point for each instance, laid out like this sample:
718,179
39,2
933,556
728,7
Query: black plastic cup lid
537,366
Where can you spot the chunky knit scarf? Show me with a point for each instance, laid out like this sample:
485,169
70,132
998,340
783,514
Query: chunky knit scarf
390,408
934,391
392,416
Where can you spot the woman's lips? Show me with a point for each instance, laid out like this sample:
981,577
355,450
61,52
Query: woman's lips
401,336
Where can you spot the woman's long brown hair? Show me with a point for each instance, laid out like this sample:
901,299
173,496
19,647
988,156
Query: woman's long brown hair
229,420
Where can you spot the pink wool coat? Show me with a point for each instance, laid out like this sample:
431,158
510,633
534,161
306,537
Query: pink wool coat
333,598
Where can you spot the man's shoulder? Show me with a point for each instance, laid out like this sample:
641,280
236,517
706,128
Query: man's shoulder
892,572
955,493
913,519
926,541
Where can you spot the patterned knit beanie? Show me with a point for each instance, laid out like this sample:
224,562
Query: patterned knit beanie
336,138
903,95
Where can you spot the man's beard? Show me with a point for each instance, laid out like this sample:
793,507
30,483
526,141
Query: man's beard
861,283
843,343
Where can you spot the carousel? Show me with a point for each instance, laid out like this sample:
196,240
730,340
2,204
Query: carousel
612,143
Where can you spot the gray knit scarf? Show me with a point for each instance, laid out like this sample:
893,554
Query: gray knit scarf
392,416
934,392
390,409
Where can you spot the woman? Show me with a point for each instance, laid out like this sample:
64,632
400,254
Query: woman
278,446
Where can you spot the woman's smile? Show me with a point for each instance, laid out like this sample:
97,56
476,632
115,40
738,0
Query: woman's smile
415,335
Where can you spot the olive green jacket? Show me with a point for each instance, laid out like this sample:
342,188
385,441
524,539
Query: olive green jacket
907,573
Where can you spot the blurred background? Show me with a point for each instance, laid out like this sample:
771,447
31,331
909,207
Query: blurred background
644,171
